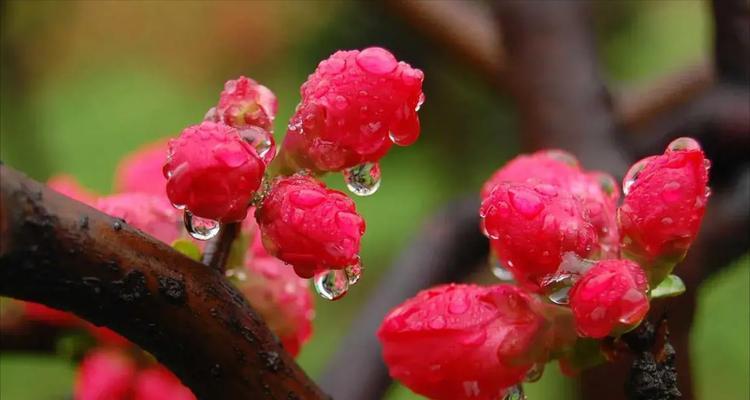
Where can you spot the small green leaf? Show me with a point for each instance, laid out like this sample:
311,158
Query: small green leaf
671,286
187,248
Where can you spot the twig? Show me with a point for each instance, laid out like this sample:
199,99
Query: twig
61,253
216,253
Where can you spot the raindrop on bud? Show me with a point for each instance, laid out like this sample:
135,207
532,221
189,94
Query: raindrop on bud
499,270
332,284
683,144
633,173
200,228
363,179
514,393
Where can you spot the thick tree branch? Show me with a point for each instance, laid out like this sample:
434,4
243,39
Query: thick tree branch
66,255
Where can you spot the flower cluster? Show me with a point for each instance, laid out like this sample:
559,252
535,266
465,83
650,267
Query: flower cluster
354,107
584,266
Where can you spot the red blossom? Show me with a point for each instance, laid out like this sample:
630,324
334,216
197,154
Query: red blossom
245,102
158,383
105,375
532,226
213,172
463,341
354,107
50,316
141,170
664,205
309,226
610,298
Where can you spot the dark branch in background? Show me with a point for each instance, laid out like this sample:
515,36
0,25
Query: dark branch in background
216,253
555,80
446,249
61,253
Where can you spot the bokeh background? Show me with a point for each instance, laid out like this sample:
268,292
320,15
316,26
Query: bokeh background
85,82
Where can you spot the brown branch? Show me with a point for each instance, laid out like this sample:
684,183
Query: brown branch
66,255
555,80
445,250
467,31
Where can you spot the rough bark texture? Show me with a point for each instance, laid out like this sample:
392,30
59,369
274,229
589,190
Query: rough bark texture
66,255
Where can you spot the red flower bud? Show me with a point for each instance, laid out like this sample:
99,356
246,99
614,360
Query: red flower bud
665,199
309,226
531,227
280,297
462,341
610,298
105,375
212,172
158,383
354,107
245,102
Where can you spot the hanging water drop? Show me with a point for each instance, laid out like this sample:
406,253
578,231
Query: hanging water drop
684,144
353,273
499,270
363,179
514,393
200,228
559,296
633,173
332,284
563,157
534,373
261,140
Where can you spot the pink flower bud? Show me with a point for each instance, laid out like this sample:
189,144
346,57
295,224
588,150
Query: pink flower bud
354,107
141,170
463,341
532,226
665,199
105,375
212,172
158,383
309,226
610,298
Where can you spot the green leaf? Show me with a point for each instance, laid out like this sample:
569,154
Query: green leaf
671,286
187,248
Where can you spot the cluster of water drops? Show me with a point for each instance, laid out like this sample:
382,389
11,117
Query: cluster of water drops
334,283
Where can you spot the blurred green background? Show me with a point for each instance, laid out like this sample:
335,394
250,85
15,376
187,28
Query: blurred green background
84,83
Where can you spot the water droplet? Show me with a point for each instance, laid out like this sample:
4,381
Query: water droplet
332,284
340,102
534,373
633,173
261,140
560,295
376,60
563,156
514,393
306,198
231,155
525,202
200,228
606,183
363,179
684,144
333,65
474,338
353,273
500,272
411,76
667,221
546,189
